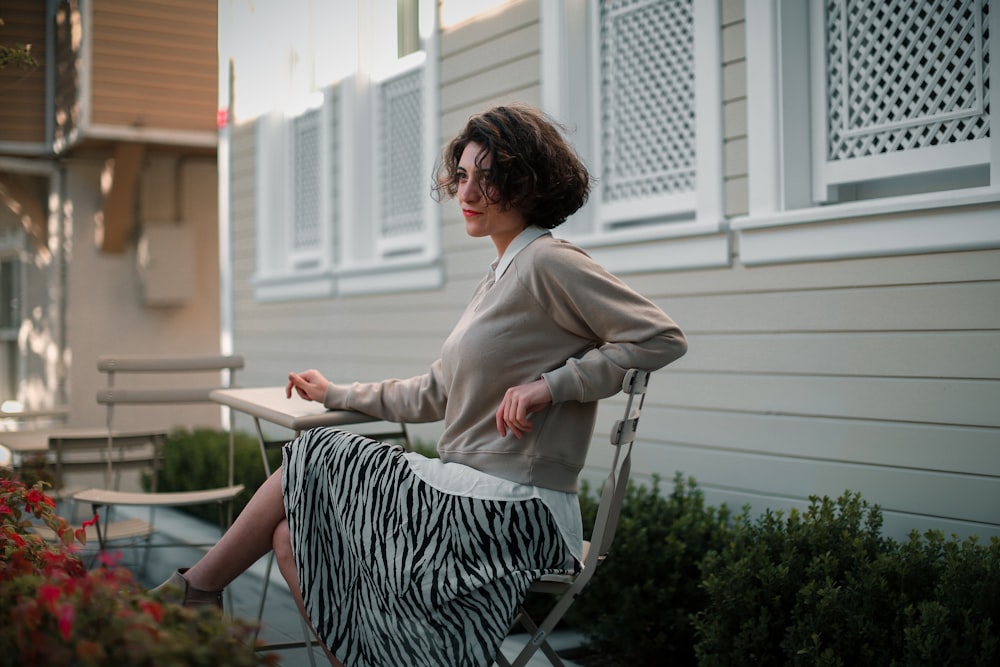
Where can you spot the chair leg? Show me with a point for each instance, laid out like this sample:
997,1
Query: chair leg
263,593
307,637
538,640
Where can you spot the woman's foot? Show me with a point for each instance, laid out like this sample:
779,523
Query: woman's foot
177,590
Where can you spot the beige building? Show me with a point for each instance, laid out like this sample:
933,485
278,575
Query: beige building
108,196
818,209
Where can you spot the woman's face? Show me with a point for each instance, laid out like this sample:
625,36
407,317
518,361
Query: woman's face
484,217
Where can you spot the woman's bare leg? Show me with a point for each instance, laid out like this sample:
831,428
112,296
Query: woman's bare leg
286,563
260,527
249,538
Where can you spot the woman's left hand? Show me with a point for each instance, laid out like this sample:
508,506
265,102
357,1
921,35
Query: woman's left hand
517,405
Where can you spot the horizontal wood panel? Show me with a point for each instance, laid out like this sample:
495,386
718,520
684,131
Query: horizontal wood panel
929,269
154,44
962,306
516,45
149,116
947,495
926,401
513,16
154,66
516,74
959,449
181,80
457,108
945,354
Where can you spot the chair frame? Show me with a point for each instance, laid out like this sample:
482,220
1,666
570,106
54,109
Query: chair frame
111,397
567,587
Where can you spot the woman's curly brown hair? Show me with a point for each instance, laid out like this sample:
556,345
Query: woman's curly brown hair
534,170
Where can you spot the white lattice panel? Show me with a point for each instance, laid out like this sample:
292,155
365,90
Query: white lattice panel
647,99
306,181
401,156
905,74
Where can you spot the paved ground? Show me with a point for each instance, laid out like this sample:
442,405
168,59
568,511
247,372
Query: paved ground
281,621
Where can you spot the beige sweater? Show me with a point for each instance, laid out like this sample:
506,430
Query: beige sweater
554,314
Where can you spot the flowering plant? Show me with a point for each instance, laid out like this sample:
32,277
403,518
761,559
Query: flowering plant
53,611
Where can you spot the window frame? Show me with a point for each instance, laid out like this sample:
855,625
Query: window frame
10,255
790,217
570,67
352,258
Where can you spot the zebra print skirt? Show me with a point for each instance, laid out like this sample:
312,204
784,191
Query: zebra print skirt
396,572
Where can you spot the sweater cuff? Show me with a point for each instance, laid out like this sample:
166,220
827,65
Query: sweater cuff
336,397
562,385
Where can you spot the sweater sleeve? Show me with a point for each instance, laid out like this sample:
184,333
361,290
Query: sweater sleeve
626,329
421,398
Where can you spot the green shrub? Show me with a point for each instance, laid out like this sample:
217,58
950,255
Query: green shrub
959,622
199,459
823,587
638,605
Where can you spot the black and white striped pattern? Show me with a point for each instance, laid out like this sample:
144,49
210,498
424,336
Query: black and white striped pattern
395,572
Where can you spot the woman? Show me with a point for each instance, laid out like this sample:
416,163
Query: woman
402,559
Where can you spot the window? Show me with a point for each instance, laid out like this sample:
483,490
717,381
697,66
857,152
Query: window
10,323
903,93
640,83
863,111
343,175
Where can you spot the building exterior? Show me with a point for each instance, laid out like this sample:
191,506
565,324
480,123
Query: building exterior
811,189
108,196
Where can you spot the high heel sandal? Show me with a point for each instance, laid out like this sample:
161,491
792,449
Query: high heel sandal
177,590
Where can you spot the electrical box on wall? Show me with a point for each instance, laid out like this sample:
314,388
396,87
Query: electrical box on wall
166,263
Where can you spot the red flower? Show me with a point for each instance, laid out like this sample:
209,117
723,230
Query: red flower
153,609
18,540
34,497
49,593
67,613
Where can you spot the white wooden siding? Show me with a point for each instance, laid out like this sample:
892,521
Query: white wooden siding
873,375
878,375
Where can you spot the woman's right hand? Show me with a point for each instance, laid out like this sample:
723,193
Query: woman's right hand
310,385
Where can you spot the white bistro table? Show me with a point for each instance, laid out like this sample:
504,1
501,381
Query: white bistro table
269,404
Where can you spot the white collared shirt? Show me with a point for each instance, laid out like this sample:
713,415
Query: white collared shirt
520,242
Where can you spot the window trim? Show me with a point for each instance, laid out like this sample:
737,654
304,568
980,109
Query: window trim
568,34
784,224
353,264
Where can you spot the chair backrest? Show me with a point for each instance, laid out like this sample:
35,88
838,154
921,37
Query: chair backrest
111,396
82,450
613,494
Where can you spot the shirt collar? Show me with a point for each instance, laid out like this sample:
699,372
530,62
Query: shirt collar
520,242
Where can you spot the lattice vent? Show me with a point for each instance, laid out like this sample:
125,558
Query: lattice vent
401,156
647,98
903,75
306,180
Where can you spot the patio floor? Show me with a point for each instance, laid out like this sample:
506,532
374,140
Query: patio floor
282,622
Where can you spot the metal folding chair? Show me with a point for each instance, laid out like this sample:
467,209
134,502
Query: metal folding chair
108,496
566,587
